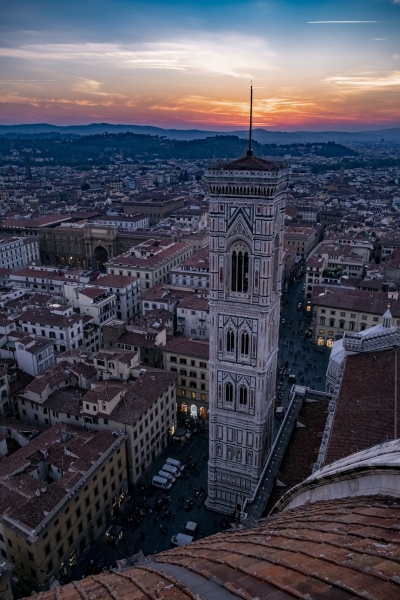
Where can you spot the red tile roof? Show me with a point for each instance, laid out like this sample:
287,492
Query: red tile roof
333,550
366,411
187,346
354,299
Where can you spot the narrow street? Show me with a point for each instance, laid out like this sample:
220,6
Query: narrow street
297,354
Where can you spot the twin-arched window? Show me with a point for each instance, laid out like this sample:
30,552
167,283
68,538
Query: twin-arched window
243,392
240,271
230,341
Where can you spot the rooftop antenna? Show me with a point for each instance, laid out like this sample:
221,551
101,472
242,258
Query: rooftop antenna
250,151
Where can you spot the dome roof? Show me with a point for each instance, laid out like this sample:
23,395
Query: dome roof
342,547
338,549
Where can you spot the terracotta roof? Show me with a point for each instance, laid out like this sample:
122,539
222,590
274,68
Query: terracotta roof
183,345
114,281
84,449
126,260
194,303
39,273
45,317
375,303
94,292
249,162
303,448
332,550
366,408
142,394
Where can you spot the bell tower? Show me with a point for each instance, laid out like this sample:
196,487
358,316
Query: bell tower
247,203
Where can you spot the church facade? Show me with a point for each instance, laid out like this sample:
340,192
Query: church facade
247,203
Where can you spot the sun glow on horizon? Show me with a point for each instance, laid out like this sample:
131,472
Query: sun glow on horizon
198,76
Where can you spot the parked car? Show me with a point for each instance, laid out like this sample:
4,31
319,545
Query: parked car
162,483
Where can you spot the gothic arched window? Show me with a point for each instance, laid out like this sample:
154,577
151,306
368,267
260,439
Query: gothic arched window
244,343
275,266
229,392
240,270
243,395
230,341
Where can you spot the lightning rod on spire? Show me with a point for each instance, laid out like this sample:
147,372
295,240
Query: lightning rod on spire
250,151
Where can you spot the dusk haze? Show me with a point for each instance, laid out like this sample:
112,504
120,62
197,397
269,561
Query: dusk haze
315,65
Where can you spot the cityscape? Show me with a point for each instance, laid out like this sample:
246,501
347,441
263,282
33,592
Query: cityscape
199,301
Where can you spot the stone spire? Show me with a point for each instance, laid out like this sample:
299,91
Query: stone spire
387,318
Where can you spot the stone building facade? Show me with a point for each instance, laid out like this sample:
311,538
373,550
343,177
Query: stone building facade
247,203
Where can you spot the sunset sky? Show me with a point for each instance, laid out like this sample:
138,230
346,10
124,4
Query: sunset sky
315,64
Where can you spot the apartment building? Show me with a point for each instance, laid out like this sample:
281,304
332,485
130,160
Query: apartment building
193,272
16,252
59,492
189,359
48,279
145,338
150,261
333,259
145,408
193,317
58,323
166,297
96,302
125,222
127,291
302,238
337,310
5,405
156,206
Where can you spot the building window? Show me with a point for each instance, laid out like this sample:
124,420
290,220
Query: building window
239,270
229,392
322,320
244,345
230,341
243,395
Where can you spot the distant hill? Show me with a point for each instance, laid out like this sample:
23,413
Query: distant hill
264,136
99,149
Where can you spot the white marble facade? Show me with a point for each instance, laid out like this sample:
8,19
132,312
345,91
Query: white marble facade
247,203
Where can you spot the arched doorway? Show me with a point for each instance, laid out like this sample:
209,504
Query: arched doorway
100,256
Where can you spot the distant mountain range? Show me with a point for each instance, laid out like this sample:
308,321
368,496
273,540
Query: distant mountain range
264,136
